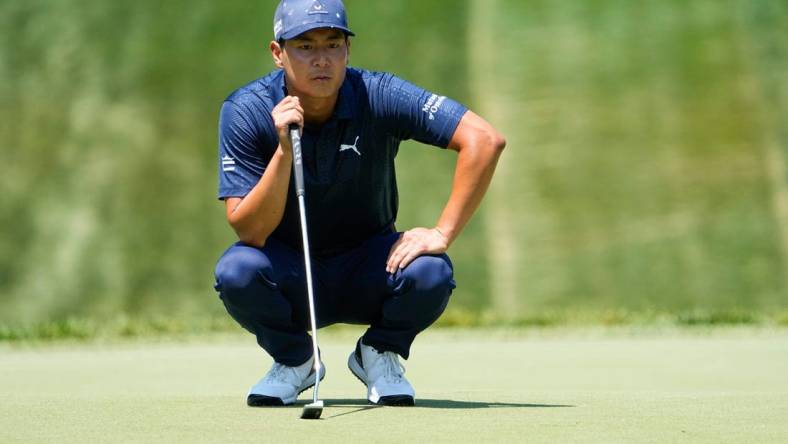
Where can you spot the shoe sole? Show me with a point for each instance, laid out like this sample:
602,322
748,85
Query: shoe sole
391,400
272,401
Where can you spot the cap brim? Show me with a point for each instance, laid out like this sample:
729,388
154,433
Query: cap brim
295,32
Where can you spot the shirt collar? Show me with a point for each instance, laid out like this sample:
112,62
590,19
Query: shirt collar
280,90
344,109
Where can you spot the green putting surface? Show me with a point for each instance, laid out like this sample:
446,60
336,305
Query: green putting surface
720,385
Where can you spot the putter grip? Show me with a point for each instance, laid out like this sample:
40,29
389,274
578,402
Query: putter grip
298,164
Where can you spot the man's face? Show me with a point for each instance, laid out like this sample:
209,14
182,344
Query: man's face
314,62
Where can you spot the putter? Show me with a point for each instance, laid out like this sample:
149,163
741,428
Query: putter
313,410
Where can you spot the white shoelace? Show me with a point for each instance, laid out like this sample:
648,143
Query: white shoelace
392,368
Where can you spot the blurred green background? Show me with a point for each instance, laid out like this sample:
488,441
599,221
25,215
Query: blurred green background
645,173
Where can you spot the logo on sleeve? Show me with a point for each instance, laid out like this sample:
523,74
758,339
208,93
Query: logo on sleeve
353,147
228,163
433,105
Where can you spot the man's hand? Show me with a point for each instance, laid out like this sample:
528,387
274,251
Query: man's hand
285,113
414,243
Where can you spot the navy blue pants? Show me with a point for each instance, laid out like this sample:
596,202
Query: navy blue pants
264,289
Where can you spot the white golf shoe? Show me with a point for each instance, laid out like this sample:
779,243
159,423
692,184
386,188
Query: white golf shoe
282,384
382,373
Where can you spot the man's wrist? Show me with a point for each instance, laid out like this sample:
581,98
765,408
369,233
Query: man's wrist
444,233
285,151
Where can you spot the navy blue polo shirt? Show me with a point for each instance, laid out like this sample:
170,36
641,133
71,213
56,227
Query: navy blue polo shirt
351,187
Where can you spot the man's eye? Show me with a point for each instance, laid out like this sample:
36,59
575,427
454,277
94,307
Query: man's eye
305,47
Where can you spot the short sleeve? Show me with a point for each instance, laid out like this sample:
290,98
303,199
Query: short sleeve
415,113
243,155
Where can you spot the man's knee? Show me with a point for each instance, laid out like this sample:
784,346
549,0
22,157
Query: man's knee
244,279
242,268
422,292
430,274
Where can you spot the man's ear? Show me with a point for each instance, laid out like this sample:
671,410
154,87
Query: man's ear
276,53
347,45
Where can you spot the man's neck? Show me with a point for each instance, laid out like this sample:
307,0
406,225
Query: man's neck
317,111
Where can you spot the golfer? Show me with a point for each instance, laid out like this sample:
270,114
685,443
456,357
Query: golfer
365,271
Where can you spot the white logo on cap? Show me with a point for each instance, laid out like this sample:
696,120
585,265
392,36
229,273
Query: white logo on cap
317,8
277,27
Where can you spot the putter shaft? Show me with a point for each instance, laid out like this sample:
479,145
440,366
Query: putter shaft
308,265
298,171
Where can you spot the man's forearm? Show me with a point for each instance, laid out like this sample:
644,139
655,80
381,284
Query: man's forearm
475,166
260,212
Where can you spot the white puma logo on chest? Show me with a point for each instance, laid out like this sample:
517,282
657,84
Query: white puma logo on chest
344,147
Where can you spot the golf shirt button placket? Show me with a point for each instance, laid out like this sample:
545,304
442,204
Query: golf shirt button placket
324,154
321,161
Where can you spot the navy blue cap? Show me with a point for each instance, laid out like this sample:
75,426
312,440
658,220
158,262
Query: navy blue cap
295,17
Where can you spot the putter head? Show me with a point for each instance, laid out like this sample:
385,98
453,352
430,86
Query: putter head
312,411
